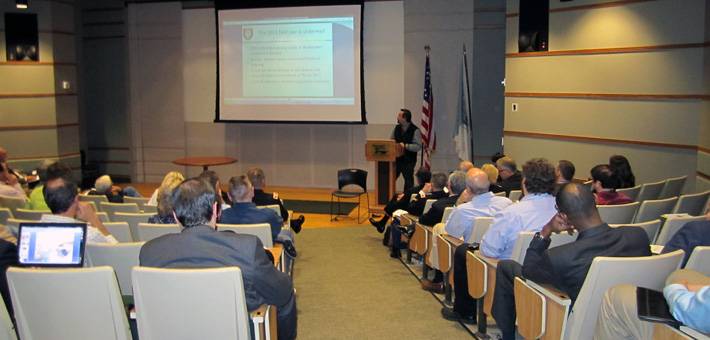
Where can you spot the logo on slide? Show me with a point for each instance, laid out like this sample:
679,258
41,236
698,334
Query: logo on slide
248,33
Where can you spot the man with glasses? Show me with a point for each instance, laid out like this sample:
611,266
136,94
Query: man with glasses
511,178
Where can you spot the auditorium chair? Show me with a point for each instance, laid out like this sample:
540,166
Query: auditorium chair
651,228
112,208
481,271
75,303
632,192
653,209
672,187
215,310
122,257
650,191
618,213
546,313
672,225
692,204
149,231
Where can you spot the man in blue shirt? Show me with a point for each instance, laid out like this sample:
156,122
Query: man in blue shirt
482,204
531,214
687,293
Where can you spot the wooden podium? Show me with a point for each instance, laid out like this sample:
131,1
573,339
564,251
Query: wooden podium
384,152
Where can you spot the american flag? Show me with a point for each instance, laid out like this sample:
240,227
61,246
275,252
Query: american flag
428,133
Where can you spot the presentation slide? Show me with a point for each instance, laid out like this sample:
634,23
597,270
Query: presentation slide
296,64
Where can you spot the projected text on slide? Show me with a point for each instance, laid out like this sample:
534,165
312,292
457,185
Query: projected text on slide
293,60
290,64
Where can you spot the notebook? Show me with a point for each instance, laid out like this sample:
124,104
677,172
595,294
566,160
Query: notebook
652,306
51,244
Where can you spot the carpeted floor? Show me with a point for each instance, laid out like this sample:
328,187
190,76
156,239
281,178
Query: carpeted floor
318,207
347,287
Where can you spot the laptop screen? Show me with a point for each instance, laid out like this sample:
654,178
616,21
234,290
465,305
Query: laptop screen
52,244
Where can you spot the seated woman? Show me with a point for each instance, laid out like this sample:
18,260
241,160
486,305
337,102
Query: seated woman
163,197
621,166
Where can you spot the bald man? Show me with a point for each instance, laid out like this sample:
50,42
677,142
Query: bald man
465,166
483,203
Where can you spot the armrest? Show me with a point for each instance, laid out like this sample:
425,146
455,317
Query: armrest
264,320
530,306
477,274
277,250
455,242
488,260
666,332
694,334
551,292
552,313
411,218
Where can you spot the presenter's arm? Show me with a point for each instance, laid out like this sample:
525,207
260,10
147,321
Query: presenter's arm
416,144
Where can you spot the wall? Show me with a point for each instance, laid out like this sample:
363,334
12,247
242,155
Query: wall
38,118
621,77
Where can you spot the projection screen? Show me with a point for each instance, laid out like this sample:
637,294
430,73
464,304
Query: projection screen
290,64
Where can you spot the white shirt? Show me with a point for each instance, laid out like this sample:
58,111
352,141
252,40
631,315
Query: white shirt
93,235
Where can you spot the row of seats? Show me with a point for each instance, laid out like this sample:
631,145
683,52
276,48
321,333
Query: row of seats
637,212
482,271
87,304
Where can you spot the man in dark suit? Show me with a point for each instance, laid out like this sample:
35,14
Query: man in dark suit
258,181
511,178
401,201
566,266
434,190
200,245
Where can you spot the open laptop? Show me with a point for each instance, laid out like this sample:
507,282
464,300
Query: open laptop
51,244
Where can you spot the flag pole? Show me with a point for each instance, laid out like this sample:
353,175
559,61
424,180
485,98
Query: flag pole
470,116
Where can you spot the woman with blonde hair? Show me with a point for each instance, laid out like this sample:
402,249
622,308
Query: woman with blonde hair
162,196
492,172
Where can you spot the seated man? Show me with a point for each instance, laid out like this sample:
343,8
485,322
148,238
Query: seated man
691,235
436,190
62,198
511,178
482,204
244,211
114,193
533,211
605,181
213,179
564,171
10,184
455,186
200,245
566,266
258,181
687,293
51,171
433,190
401,201
465,166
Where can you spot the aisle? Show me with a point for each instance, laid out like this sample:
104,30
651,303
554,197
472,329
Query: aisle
349,288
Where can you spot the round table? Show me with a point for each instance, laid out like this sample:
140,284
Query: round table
205,162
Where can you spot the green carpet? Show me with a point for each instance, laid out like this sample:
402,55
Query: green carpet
318,207
348,288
